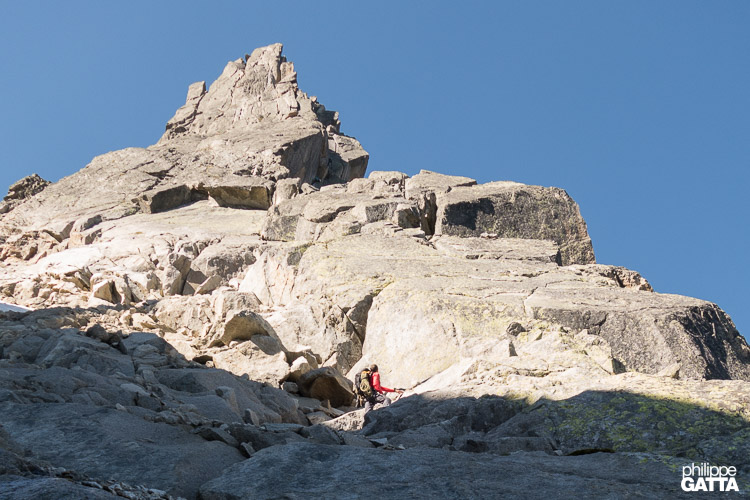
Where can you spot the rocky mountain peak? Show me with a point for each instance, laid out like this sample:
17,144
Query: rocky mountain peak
231,144
259,89
192,315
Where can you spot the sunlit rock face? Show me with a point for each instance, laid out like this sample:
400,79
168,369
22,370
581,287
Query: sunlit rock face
186,320
230,143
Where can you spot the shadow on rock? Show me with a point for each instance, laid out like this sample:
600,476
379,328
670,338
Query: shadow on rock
78,399
590,421
81,400
437,445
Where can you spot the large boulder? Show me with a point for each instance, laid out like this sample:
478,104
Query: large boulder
326,384
513,210
242,325
260,358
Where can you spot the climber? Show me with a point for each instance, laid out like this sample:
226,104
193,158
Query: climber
377,394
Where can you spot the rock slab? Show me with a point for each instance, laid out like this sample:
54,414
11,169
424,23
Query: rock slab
324,471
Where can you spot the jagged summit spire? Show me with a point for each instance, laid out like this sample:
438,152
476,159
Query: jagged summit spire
232,142
258,88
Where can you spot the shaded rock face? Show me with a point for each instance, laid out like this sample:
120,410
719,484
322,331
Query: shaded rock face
156,454
428,473
120,406
606,419
196,320
512,210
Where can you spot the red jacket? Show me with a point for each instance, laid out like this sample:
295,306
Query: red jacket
376,383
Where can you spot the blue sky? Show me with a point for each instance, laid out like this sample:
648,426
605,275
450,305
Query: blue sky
639,109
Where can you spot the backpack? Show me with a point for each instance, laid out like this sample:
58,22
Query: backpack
362,384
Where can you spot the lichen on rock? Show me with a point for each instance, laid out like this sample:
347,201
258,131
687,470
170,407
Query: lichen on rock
195,313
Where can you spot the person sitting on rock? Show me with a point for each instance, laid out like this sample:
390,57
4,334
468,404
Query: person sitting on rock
378,395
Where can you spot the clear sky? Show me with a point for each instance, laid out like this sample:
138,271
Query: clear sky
639,109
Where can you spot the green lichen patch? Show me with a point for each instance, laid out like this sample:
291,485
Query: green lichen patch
629,422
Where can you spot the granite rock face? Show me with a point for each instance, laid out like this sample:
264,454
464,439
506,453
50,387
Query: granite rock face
22,190
230,144
325,472
120,406
198,309
512,210
26,188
